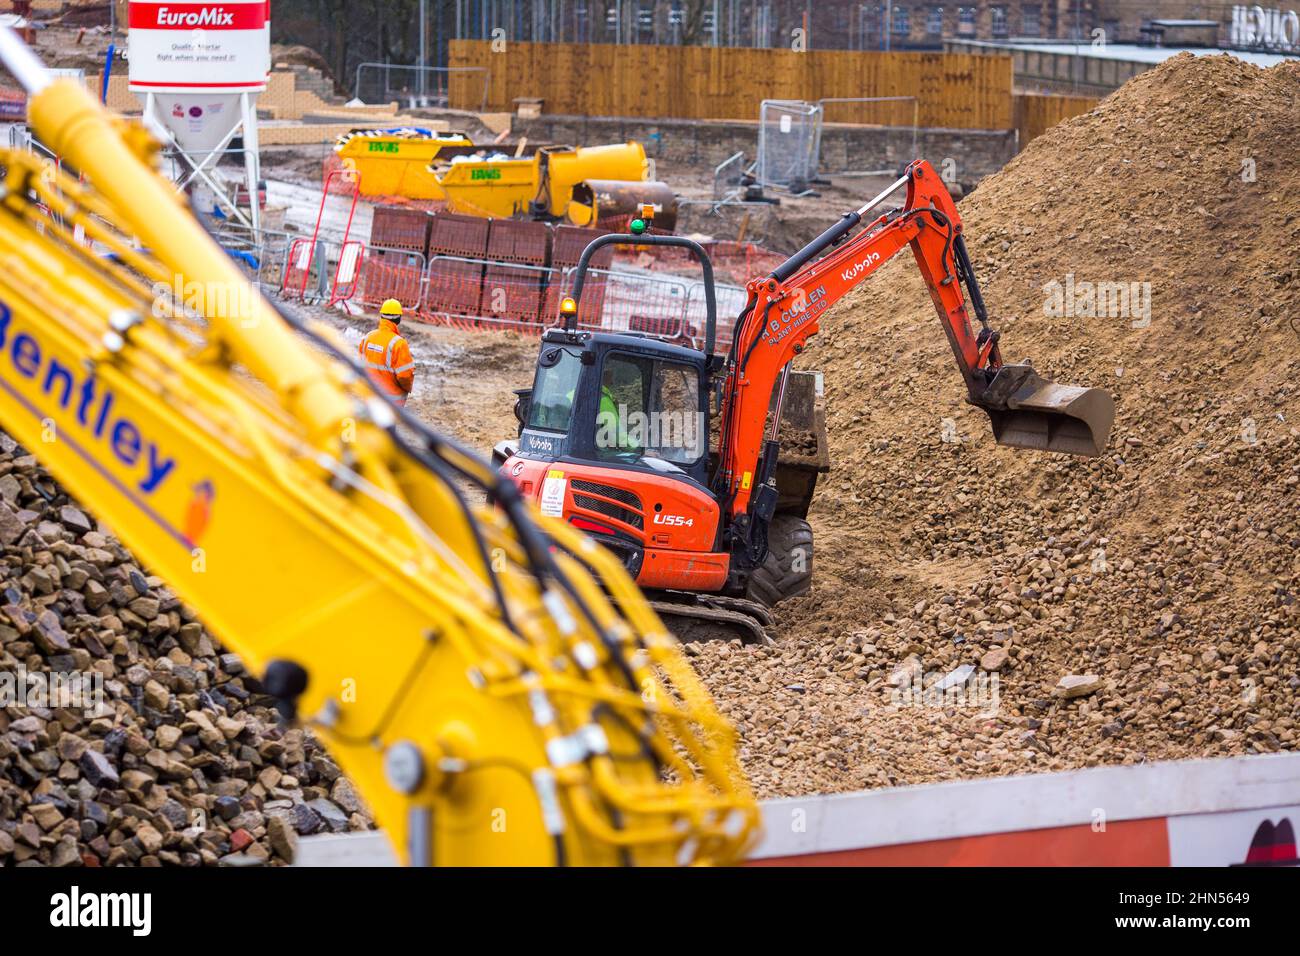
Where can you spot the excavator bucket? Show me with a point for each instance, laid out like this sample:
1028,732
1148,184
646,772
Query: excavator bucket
1027,411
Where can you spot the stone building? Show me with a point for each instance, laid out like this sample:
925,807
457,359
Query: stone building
826,24
834,24
912,24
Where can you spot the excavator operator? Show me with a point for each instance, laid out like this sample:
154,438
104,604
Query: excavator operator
387,356
611,420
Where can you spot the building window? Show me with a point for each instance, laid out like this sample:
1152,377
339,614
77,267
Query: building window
1029,25
645,20
966,21
934,22
998,17
581,23
676,20
867,26
902,21
1075,22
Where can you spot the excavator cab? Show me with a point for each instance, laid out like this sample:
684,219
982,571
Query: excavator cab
626,400
620,400
615,437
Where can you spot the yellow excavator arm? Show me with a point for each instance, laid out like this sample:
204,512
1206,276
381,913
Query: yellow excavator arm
493,682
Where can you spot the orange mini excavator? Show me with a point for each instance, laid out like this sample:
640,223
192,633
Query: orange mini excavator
671,456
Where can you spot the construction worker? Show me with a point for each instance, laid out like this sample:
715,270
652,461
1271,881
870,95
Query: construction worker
611,426
607,419
611,430
387,356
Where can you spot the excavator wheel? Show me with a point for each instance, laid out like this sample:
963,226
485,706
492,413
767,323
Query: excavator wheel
786,572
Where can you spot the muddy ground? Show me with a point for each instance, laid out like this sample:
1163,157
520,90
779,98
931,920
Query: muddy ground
463,380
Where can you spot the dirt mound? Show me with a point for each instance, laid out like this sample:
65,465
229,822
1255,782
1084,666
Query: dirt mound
74,46
1166,572
295,54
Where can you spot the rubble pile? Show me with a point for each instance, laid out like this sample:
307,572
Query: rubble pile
126,735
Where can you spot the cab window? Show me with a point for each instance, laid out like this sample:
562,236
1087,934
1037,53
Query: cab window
551,406
649,409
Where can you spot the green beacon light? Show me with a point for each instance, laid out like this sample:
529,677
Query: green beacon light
638,225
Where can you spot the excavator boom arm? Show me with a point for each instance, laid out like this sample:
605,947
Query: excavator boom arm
786,308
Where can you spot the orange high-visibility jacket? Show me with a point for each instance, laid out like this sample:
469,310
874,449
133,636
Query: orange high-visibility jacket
388,360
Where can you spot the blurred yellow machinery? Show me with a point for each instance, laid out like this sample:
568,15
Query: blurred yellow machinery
493,682
557,183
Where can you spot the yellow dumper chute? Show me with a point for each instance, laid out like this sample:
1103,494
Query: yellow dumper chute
551,178
395,162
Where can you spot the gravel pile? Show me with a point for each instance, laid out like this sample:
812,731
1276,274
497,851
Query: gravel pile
1141,606
182,762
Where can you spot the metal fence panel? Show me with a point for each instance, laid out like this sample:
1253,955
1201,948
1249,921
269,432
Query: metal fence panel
730,301
306,270
488,294
890,111
632,302
415,86
390,274
483,293
789,143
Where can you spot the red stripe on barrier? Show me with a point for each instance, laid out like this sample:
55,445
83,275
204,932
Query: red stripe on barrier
1121,843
